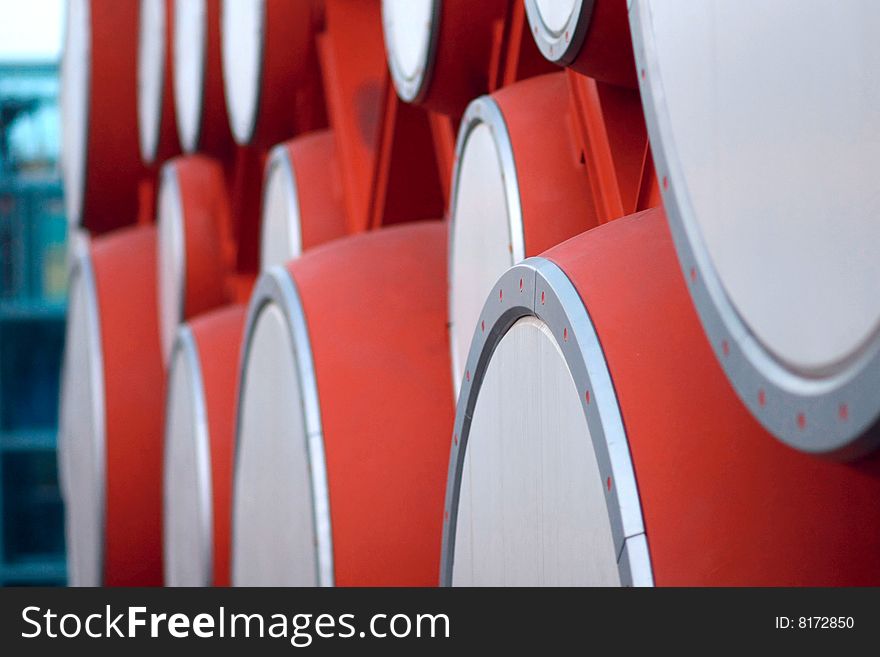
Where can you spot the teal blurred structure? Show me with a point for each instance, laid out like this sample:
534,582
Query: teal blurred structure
33,273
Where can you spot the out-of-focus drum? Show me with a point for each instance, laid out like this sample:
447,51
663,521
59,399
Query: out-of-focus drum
100,163
157,129
302,198
344,415
199,446
768,182
269,59
440,53
590,36
199,101
519,188
110,429
598,442
196,247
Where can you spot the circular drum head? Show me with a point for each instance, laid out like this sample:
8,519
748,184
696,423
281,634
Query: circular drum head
411,28
280,526
171,260
530,463
486,232
559,27
244,33
190,44
541,489
151,75
187,524
75,81
280,240
768,182
81,437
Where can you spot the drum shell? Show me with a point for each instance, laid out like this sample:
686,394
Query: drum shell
112,166
374,312
288,65
167,144
597,44
312,162
544,151
218,338
212,133
460,59
724,505
124,265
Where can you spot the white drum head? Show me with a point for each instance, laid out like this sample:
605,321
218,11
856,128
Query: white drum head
768,181
281,237
188,515
75,81
532,506
541,488
171,258
244,33
190,45
559,27
151,75
411,28
486,232
81,437
281,527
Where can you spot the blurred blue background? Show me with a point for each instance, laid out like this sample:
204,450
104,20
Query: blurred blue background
33,273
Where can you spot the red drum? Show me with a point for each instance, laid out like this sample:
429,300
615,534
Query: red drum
441,53
344,415
196,247
270,68
302,198
100,162
110,429
771,197
199,434
199,101
597,441
590,36
156,123
519,188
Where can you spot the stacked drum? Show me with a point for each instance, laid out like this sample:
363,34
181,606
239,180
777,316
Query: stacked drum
621,330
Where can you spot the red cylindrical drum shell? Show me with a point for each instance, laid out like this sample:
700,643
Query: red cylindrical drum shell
100,158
